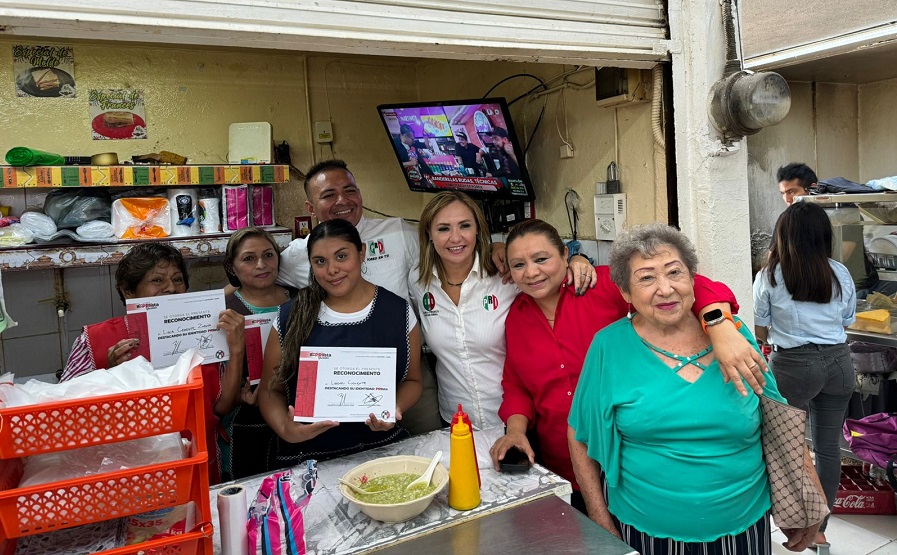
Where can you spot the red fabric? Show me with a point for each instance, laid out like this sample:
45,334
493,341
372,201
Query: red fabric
101,337
106,334
542,365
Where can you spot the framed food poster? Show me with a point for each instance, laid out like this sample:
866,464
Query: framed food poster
44,71
117,114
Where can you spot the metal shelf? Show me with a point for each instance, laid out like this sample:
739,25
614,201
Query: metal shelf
65,253
142,176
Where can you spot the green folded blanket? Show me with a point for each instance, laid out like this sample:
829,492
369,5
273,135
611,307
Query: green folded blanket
24,156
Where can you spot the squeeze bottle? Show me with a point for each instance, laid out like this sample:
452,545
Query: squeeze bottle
464,485
462,416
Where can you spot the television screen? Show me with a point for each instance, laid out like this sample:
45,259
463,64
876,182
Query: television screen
462,145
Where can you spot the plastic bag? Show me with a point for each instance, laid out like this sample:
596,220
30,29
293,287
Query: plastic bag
15,235
141,218
159,524
39,223
276,524
100,459
874,440
72,208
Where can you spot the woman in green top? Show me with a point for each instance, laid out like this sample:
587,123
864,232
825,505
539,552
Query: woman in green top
679,448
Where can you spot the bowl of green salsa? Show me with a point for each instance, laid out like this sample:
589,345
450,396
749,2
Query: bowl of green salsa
386,479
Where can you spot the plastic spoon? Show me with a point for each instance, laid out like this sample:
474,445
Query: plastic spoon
358,490
425,478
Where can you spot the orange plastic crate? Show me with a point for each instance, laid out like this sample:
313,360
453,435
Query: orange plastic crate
71,424
196,542
57,505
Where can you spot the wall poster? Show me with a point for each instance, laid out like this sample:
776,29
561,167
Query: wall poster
117,114
44,71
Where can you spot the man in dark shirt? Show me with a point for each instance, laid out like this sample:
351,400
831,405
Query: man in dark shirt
471,155
504,155
795,179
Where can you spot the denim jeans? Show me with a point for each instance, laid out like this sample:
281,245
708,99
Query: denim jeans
820,380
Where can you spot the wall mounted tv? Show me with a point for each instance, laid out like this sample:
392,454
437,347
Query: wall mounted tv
461,145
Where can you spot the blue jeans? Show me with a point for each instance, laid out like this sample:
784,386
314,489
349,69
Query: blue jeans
820,380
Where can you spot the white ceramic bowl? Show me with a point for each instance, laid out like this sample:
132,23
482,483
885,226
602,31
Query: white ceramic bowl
399,464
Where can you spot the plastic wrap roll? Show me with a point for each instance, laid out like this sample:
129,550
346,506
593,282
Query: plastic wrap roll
209,215
184,216
233,507
235,207
24,156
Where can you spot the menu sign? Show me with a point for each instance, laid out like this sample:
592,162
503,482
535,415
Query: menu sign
117,114
44,71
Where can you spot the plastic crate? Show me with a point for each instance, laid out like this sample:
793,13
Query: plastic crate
195,542
71,424
67,503
857,495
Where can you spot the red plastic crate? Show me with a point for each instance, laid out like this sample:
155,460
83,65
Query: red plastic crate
71,424
857,495
195,542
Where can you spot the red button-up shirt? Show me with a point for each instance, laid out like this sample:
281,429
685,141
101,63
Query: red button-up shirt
542,365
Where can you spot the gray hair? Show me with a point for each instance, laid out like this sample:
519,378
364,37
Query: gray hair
647,241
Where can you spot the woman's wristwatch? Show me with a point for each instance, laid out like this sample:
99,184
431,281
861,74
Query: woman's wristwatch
715,317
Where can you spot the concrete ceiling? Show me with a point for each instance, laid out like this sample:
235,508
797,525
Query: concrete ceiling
820,40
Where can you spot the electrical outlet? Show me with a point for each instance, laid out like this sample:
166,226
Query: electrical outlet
566,151
323,132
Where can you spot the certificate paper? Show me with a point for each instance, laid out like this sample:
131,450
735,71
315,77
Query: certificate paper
345,384
257,329
169,325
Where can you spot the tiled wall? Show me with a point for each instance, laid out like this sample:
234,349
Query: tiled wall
38,345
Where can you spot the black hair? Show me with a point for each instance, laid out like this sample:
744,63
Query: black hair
797,170
142,258
233,245
405,129
307,302
802,246
321,167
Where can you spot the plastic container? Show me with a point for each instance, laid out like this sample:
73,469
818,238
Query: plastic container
399,464
51,427
71,424
464,480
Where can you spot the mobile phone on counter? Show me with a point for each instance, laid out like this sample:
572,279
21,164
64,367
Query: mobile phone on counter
515,461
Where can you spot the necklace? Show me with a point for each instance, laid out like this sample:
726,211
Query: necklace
447,282
682,359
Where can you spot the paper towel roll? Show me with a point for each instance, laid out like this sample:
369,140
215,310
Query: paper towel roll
209,215
233,509
184,216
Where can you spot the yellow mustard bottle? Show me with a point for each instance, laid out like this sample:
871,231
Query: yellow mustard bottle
464,483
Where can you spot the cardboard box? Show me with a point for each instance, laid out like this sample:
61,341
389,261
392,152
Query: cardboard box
857,495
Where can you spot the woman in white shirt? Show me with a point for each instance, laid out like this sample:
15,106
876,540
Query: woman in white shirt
462,304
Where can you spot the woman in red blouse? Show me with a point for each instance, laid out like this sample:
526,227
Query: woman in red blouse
548,332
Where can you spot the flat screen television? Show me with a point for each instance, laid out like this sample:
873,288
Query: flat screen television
461,145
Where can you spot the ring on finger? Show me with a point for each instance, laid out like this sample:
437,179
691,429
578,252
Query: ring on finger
754,365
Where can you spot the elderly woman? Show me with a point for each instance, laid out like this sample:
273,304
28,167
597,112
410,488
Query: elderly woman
548,332
463,304
680,450
252,264
150,270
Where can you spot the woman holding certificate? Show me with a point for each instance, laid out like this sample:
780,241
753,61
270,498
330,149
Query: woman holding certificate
150,270
338,309
252,264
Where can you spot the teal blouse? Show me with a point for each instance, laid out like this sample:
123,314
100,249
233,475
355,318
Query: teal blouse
682,460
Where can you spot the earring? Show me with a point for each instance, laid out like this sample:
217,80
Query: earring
364,267
630,312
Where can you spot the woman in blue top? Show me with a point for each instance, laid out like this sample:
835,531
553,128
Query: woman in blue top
680,449
339,308
802,301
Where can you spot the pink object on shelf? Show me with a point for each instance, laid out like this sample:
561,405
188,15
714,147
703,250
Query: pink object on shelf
235,201
263,205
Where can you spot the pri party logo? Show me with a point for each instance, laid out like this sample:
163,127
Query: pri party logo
490,302
429,301
375,247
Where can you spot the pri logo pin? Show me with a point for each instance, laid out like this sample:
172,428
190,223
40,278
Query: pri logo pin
428,301
490,302
375,247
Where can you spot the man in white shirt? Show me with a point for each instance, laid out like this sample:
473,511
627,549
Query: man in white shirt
392,250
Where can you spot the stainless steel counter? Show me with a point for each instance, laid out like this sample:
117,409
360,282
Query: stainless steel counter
547,525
